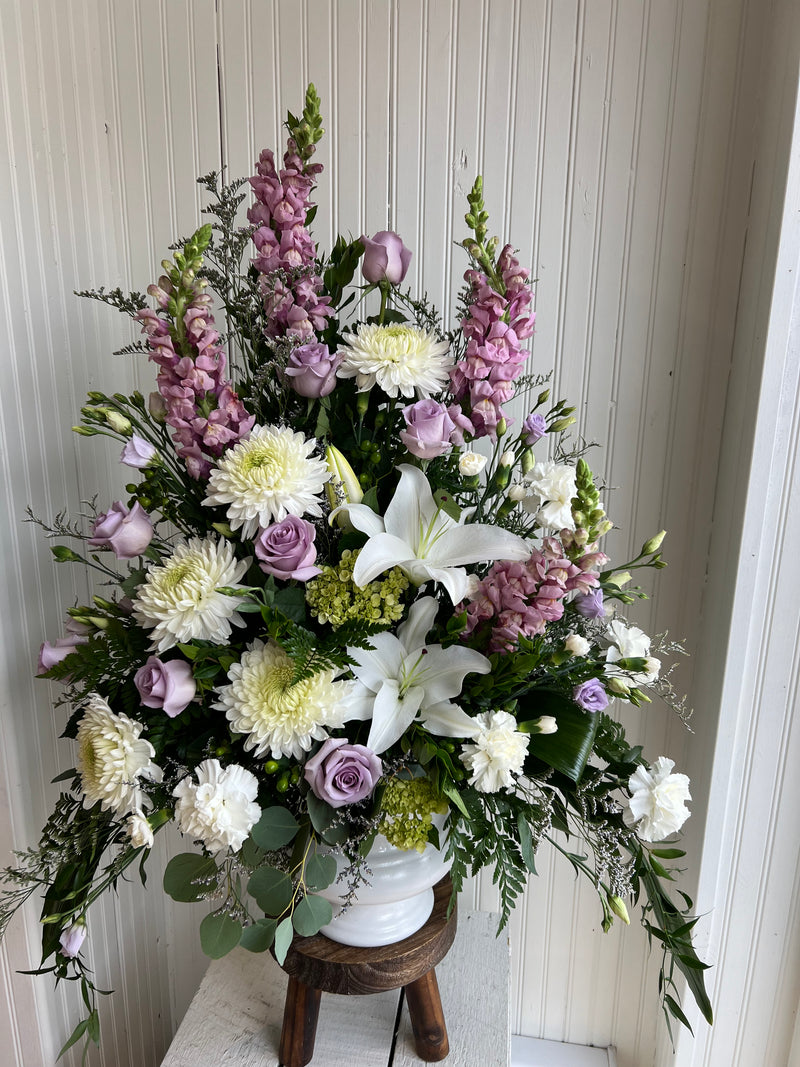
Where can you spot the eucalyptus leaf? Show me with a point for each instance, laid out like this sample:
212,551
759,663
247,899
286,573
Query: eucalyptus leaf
259,936
311,914
276,828
219,934
320,871
189,877
271,889
283,939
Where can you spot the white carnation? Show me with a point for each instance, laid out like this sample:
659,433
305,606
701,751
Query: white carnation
552,488
180,601
400,359
269,475
219,810
112,757
658,800
497,753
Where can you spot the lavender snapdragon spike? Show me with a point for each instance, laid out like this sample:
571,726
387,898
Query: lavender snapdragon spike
202,409
286,250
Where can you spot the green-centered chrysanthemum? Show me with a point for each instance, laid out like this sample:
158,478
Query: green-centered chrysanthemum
179,600
280,718
400,359
408,806
112,757
334,597
266,477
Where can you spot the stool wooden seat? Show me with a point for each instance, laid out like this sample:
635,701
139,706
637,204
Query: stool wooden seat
317,964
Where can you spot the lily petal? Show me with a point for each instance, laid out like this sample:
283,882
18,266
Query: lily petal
383,660
454,579
391,715
477,543
445,668
420,619
412,505
382,552
449,720
362,517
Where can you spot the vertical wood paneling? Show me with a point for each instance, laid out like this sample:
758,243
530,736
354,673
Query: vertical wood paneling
614,137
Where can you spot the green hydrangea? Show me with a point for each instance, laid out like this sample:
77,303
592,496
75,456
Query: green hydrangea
408,807
334,597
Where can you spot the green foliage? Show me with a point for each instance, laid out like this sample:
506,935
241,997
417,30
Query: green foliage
219,933
276,828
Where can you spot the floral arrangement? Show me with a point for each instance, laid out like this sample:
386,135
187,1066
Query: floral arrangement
344,594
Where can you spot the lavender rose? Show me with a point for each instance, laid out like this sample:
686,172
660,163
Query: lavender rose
51,654
311,370
286,549
590,695
386,258
342,773
167,685
126,532
137,452
428,429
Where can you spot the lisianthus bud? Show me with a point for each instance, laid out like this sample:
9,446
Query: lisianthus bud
72,938
616,685
620,579
653,545
617,905
157,406
117,421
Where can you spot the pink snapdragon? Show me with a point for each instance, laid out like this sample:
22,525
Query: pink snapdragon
497,322
519,599
285,249
203,411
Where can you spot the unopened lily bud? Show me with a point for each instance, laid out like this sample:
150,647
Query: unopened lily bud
653,545
343,476
617,905
223,529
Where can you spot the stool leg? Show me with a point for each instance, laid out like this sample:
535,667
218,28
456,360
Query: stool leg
427,1018
300,1015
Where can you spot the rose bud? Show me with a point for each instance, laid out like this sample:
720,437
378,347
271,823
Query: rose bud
126,533
386,258
342,773
51,654
169,685
311,370
287,550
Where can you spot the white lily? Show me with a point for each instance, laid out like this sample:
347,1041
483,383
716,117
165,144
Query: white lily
418,536
400,676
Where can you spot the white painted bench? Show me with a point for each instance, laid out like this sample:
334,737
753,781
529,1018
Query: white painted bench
235,1018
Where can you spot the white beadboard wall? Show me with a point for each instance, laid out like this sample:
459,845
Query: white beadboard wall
617,139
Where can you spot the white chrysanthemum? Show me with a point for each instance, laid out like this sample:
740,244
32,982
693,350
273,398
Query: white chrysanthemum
658,800
629,642
269,475
278,717
220,810
112,757
497,753
179,601
553,487
400,359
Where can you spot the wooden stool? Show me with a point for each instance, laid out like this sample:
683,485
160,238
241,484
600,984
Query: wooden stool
316,965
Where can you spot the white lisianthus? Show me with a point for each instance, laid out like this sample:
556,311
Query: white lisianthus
497,753
112,757
179,601
658,800
280,718
552,486
139,830
470,464
629,642
399,359
267,476
219,810
577,645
